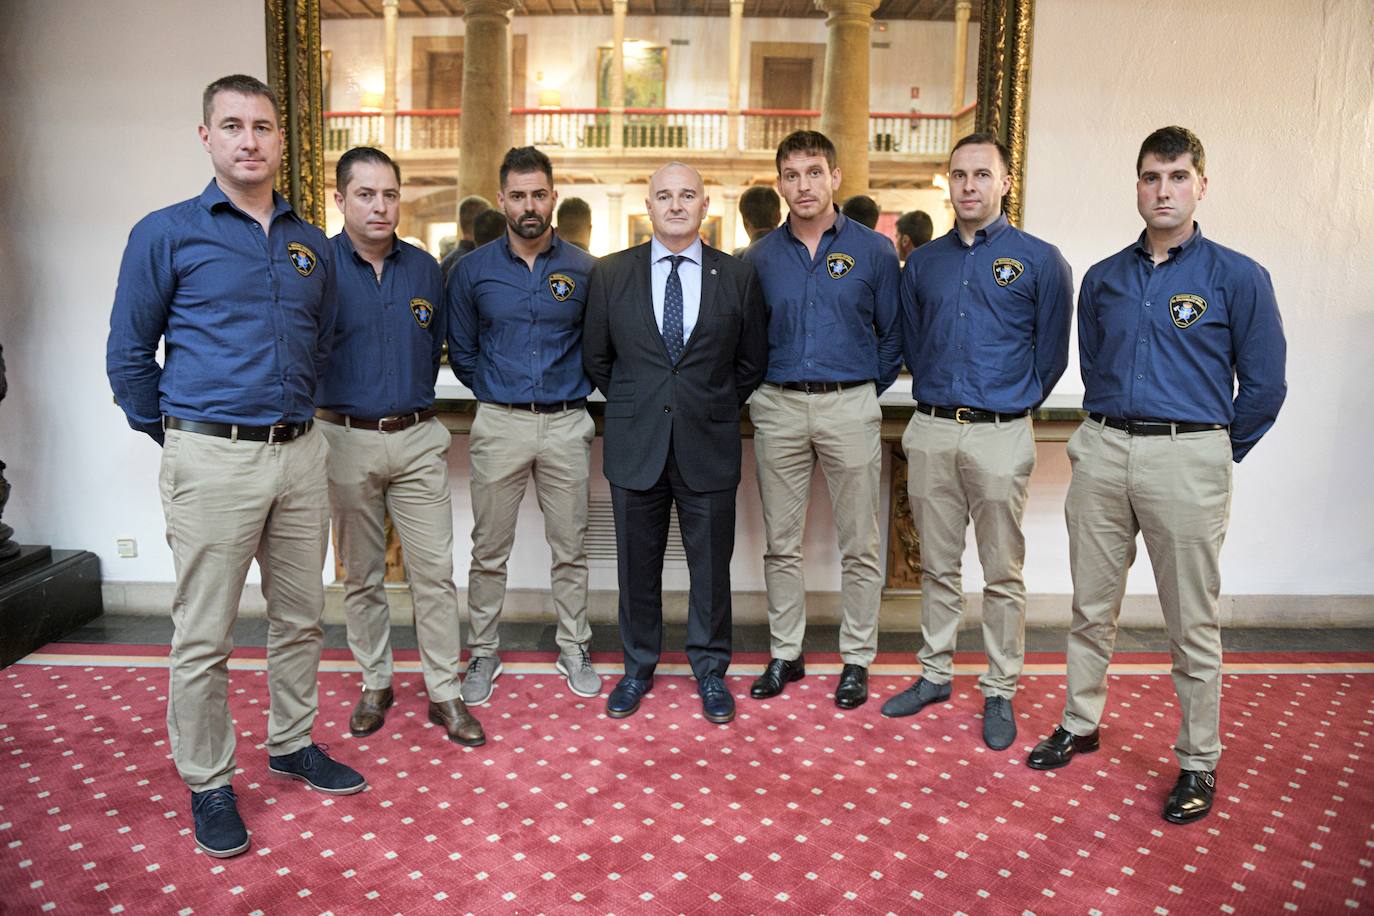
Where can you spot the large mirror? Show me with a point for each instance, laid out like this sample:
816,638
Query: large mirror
716,83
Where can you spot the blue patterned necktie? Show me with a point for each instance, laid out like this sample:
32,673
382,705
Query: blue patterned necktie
672,311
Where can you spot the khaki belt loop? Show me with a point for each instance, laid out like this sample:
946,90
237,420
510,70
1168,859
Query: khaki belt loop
233,432
1173,432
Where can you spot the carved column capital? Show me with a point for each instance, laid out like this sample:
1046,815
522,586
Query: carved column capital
479,9
848,11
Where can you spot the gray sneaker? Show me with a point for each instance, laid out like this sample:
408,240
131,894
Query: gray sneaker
478,682
576,666
915,698
999,723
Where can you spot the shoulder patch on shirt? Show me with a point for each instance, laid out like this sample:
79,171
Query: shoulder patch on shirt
1186,309
302,258
837,265
562,286
1006,271
422,310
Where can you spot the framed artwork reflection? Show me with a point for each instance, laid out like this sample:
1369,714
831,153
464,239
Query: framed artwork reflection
646,76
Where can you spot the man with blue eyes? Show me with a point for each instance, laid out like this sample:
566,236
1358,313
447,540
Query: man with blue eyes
833,346
985,327
388,451
515,339
1182,352
241,291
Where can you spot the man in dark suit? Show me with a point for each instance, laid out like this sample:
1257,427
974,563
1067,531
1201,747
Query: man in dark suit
675,336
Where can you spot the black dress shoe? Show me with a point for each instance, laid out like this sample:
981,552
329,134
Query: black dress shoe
1191,797
1059,748
716,703
779,673
624,699
853,689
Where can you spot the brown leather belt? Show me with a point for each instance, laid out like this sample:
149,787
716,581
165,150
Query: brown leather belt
275,434
1153,427
380,424
969,414
551,407
822,387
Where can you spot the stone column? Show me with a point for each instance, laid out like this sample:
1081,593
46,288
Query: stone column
390,10
962,9
844,94
736,40
615,206
729,217
484,130
618,10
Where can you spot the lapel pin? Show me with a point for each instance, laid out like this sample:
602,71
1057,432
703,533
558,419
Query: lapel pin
713,271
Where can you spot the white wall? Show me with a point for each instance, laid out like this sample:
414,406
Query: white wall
101,107
1280,94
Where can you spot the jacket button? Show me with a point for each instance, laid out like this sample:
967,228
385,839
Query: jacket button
667,409
674,372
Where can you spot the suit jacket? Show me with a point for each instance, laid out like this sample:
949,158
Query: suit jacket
650,402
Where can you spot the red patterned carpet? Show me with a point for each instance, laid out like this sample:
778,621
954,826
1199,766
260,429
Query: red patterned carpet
796,807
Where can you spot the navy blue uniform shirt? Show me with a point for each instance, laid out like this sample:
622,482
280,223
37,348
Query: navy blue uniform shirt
986,325
389,334
831,318
515,334
1196,339
247,316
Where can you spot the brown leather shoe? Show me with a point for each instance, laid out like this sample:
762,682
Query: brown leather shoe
460,724
370,713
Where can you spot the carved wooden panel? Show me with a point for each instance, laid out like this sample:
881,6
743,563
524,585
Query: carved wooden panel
395,563
903,546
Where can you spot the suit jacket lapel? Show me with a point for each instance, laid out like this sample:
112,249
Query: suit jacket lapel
644,282
710,269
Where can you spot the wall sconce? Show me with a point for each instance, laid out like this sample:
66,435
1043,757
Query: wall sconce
550,98
370,101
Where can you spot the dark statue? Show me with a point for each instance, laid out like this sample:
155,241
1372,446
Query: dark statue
8,548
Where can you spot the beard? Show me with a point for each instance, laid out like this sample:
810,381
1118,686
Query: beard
530,225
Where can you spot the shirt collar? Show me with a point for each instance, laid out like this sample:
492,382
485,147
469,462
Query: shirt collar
988,232
1142,247
552,250
347,242
213,197
658,251
836,227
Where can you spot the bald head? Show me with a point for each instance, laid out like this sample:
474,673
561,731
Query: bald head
677,205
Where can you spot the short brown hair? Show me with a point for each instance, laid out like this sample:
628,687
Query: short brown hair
808,143
243,85
760,207
1168,143
980,139
343,171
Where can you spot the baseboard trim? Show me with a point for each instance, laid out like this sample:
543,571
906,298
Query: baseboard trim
901,610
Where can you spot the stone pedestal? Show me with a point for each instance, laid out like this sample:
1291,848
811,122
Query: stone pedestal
44,595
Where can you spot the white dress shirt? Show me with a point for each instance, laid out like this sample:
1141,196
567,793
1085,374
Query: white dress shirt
689,272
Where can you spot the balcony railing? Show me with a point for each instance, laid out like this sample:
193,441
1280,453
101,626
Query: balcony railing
759,130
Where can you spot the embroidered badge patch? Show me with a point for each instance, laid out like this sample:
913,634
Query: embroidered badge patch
1186,309
562,286
422,310
302,258
1006,270
838,265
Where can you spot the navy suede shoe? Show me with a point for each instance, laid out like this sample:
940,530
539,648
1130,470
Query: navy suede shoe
716,703
219,829
312,765
624,699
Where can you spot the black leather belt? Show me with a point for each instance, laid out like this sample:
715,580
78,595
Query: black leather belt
970,414
1153,427
381,424
821,387
552,407
272,435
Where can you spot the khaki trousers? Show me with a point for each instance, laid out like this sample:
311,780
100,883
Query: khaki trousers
1176,491
793,431
227,502
957,471
507,445
406,473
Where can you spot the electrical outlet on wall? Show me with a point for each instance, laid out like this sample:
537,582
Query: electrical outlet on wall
126,547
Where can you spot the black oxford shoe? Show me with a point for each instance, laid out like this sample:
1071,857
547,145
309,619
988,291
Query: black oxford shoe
1192,796
853,689
624,699
1059,748
779,673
